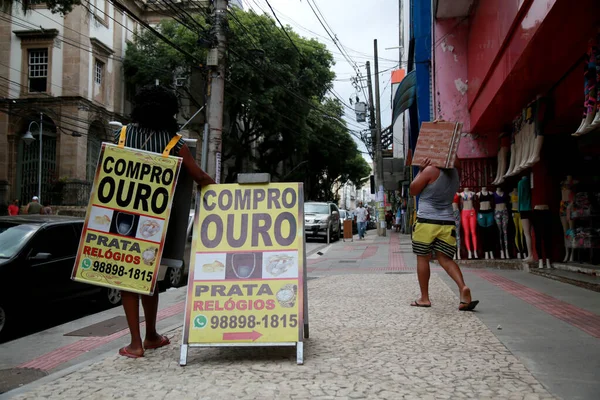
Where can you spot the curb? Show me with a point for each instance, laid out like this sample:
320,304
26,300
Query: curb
585,285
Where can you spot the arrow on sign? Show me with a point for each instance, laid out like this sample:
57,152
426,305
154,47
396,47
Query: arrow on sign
242,336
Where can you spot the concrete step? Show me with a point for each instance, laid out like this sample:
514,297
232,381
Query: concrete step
583,280
577,267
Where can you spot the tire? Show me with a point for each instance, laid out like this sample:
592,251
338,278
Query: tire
4,322
110,297
174,277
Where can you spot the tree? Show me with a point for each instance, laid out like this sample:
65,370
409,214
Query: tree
56,6
277,115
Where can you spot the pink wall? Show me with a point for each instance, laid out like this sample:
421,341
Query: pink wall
452,85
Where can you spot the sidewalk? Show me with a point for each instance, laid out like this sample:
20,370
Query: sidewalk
531,338
366,343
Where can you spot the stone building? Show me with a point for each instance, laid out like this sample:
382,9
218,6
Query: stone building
65,71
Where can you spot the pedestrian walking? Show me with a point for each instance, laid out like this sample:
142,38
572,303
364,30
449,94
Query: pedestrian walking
435,230
154,128
34,207
398,218
13,208
361,220
46,210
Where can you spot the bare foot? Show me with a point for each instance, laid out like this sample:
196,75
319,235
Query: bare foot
421,303
131,351
155,341
465,295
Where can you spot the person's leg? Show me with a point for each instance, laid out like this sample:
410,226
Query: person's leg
423,274
131,305
422,240
444,246
453,270
150,304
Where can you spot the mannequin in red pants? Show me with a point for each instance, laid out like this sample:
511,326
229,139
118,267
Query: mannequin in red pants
468,217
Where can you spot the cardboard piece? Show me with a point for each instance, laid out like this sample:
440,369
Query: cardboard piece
438,141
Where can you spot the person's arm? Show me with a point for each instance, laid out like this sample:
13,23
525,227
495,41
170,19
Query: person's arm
199,176
27,209
424,177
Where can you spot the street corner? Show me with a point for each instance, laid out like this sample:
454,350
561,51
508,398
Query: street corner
366,342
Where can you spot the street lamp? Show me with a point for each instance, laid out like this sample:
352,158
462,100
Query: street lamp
28,139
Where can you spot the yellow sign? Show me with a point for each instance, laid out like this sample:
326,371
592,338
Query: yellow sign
246,269
126,221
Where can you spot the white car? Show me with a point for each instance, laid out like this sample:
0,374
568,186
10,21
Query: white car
175,271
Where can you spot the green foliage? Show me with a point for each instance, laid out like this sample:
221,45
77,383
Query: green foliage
271,101
56,6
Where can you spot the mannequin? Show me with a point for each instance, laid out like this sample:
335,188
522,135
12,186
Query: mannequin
596,122
456,210
528,138
468,221
516,147
513,149
526,213
502,158
485,220
538,120
519,243
501,217
590,92
567,196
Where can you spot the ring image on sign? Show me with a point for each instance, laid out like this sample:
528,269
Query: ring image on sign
210,266
280,264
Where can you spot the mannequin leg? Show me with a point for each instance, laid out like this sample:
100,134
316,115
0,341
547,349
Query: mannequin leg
502,166
537,149
498,219
457,224
527,232
596,121
505,231
518,233
565,225
538,228
547,236
473,225
516,154
591,106
585,122
467,231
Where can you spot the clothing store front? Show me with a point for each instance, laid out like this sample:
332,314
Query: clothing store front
530,188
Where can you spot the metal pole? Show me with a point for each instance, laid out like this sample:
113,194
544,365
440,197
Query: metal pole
217,94
204,162
381,229
40,160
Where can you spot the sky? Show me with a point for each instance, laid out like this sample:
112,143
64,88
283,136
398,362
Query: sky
355,23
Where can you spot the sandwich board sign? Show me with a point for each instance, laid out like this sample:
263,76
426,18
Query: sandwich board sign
126,220
247,279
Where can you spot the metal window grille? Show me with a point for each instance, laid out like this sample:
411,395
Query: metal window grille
38,70
99,72
477,173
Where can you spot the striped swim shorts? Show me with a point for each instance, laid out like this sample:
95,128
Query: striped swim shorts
432,235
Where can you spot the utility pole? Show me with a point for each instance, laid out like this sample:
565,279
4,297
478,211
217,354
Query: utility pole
216,87
381,229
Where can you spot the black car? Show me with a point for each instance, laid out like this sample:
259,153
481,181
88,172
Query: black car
37,254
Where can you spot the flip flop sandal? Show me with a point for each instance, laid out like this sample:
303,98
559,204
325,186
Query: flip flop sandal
164,341
468,306
125,353
417,304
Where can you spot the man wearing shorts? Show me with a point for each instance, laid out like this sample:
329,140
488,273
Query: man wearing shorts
435,230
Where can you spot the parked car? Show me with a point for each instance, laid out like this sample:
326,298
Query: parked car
172,276
37,254
322,220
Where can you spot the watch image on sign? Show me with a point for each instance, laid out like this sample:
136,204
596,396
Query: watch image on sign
438,141
126,219
246,268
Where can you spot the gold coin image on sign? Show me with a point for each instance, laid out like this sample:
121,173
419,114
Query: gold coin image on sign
279,264
149,228
286,296
102,220
149,255
215,266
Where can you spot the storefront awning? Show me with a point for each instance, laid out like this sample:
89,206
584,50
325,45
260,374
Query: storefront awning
405,95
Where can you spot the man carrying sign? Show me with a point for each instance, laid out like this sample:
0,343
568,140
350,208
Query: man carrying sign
154,130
